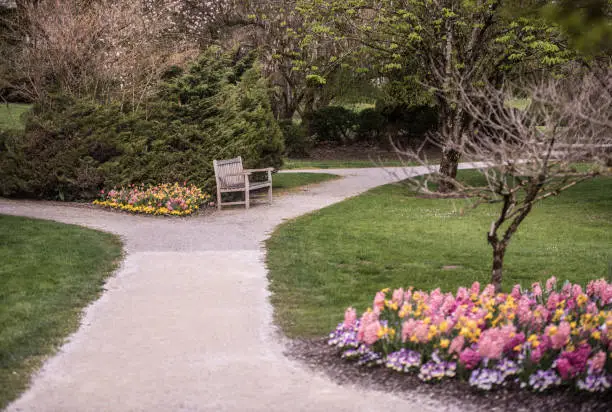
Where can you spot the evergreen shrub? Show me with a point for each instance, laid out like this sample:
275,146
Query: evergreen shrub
73,148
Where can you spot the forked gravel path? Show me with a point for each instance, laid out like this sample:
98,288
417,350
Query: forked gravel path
185,324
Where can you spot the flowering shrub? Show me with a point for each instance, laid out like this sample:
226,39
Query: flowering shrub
164,199
538,338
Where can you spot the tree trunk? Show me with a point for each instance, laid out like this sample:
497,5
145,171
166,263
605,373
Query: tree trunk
498,262
286,113
452,125
448,168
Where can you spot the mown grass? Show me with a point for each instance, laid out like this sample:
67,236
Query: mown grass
286,181
11,116
339,164
49,273
340,256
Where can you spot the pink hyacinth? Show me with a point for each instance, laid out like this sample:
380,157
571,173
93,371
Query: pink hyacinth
606,296
540,317
379,300
576,290
398,296
592,308
566,290
421,331
350,318
537,289
523,310
407,329
480,314
553,299
449,304
469,358
565,368
408,295
572,363
456,345
489,291
550,283
597,362
539,352
462,294
493,341
516,292
459,311
475,289
501,298
597,289
560,338
514,341
436,299
366,319
370,334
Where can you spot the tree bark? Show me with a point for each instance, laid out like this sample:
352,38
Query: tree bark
452,125
498,263
448,168
286,113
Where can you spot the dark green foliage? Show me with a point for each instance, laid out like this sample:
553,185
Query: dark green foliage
297,141
405,123
73,148
397,121
11,161
371,125
331,124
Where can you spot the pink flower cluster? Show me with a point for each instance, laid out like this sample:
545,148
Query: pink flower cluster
166,199
562,333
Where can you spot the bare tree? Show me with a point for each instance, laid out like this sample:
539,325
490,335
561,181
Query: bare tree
107,49
535,141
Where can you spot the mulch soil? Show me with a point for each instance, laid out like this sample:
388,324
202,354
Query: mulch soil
317,355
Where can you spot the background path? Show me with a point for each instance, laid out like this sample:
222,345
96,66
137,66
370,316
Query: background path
185,324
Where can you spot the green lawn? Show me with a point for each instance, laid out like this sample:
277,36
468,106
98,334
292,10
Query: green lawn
339,164
49,273
286,181
10,115
340,256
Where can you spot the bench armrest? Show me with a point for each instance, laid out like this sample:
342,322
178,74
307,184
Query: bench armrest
245,172
267,169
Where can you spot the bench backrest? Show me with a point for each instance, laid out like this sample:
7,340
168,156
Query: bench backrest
227,172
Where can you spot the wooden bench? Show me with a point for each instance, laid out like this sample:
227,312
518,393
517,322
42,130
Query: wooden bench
231,177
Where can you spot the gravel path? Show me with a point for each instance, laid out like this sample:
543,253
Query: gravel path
185,324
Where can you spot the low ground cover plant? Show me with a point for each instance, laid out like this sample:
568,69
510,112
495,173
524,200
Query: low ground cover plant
540,338
164,199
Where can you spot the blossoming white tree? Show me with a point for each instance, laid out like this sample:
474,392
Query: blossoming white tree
105,49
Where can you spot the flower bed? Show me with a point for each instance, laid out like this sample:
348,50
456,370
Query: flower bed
538,338
164,199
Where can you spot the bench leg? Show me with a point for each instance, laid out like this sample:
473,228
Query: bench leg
247,189
218,199
270,188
